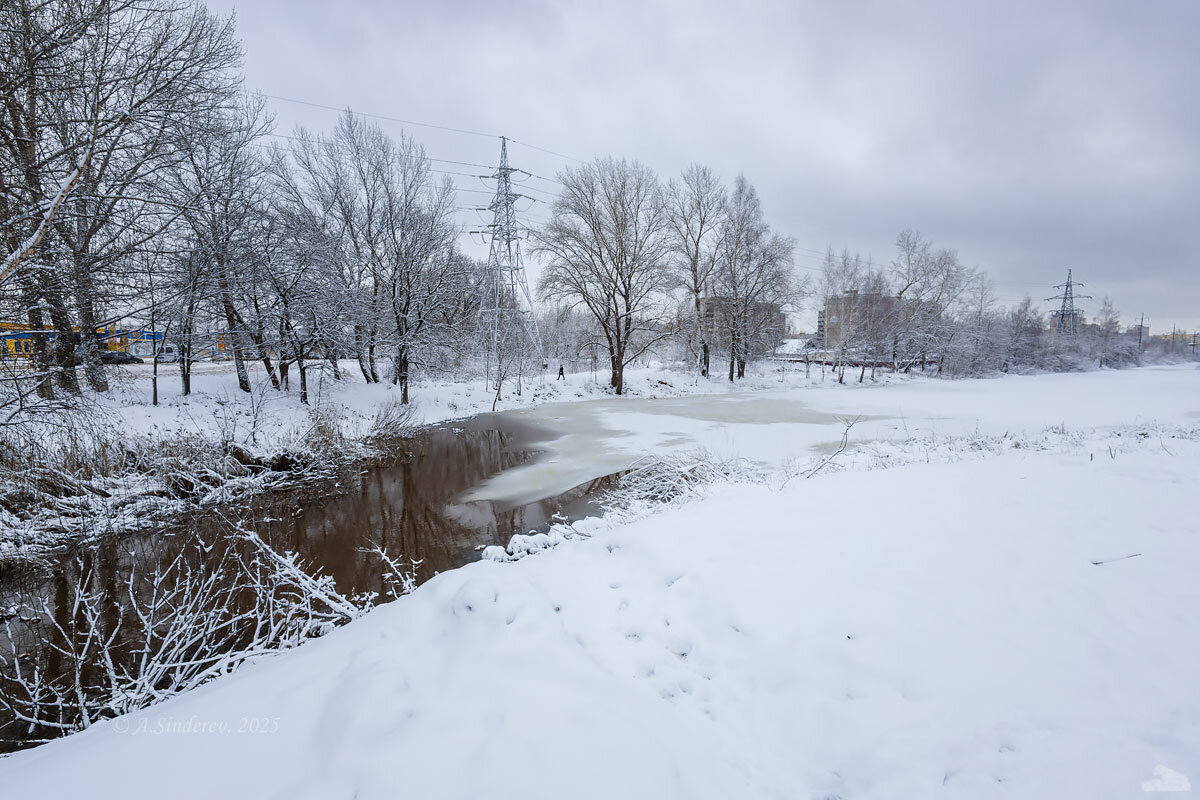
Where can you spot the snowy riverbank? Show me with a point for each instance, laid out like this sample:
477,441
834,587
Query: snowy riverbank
117,463
1009,618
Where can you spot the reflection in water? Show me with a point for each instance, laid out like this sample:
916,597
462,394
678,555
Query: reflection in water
412,508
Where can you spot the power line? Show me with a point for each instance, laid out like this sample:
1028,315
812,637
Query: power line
326,143
452,129
435,126
542,177
544,150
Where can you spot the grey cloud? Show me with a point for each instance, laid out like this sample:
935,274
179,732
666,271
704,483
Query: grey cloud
1029,136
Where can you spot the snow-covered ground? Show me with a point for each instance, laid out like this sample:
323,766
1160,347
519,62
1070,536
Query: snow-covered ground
266,419
786,421
1011,614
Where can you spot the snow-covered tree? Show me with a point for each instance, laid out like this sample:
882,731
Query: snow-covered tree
753,278
607,248
696,207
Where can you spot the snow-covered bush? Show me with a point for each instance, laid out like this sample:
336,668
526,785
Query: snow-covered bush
86,477
674,476
191,608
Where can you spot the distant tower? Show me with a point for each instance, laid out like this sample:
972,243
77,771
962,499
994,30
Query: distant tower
1066,319
501,312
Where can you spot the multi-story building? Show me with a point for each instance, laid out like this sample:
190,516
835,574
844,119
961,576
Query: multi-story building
766,323
836,323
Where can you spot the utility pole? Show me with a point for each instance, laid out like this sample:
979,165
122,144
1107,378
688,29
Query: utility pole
1066,318
501,314
1141,328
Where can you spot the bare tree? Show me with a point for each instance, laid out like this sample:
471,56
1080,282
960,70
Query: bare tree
396,234
696,207
843,281
754,277
606,248
96,94
928,283
225,174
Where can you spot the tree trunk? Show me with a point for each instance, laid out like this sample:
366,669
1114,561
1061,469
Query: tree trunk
233,329
732,354
93,367
259,336
303,379
360,353
333,362
185,371
38,344
64,342
404,379
232,343
266,360
372,371
186,348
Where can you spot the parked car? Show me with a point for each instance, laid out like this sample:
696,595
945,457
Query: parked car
109,357
118,357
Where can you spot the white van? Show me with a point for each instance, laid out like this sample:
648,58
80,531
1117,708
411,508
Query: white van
167,353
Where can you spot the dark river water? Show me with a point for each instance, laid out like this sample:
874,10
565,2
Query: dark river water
409,506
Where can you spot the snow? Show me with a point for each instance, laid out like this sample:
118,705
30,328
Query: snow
775,426
933,629
791,347
267,420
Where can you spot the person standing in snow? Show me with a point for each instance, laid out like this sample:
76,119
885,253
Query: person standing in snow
561,375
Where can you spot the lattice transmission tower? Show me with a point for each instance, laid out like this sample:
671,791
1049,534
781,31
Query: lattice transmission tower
506,308
1066,319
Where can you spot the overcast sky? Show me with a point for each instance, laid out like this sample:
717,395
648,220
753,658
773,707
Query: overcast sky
1031,137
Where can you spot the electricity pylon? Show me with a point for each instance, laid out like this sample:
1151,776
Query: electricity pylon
1067,317
501,313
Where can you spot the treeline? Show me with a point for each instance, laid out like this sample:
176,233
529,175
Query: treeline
138,188
926,309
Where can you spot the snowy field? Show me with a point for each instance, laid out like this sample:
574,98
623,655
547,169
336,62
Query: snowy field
1010,612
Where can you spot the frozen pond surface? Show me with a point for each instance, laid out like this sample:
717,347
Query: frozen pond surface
585,440
588,440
